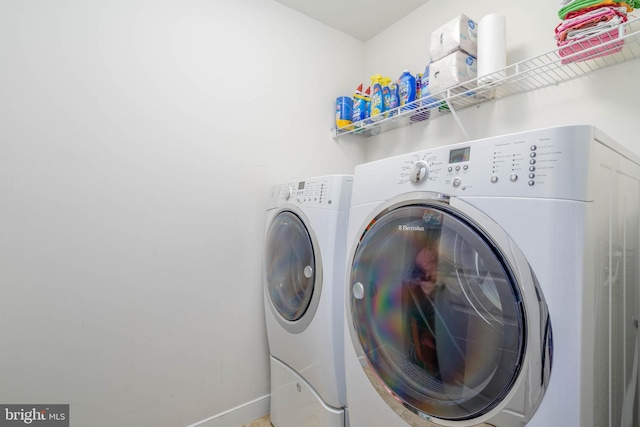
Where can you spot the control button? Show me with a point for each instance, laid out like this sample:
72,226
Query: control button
465,167
533,148
513,177
532,168
532,154
288,192
456,182
457,168
450,169
419,172
532,183
532,175
494,178
532,161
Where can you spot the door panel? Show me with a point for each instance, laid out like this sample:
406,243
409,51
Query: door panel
436,311
290,266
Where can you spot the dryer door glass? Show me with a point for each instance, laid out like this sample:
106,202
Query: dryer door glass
290,266
436,312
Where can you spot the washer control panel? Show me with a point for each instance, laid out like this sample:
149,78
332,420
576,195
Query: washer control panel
548,162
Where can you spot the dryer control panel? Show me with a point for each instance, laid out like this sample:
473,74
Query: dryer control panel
552,162
327,192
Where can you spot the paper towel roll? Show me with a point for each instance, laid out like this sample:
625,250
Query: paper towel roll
492,47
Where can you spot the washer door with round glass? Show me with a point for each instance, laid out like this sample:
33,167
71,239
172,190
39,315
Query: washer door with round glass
290,271
437,313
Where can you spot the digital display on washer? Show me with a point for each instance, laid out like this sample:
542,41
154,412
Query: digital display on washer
459,155
301,185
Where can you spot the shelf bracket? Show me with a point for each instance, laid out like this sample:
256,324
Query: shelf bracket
457,119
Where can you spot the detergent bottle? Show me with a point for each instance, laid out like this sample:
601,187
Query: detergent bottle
377,101
386,95
407,89
359,105
344,112
395,100
421,113
367,105
427,100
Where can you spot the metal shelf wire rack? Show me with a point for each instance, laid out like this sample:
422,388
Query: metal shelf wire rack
608,47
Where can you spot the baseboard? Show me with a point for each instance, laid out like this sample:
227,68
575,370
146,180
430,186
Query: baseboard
239,415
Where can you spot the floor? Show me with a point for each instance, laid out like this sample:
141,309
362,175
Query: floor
260,422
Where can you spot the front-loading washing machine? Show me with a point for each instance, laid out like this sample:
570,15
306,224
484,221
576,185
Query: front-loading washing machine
304,269
495,283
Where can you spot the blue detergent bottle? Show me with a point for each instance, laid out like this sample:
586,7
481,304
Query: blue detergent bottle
386,95
427,100
359,105
407,89
421,113
395,99
367,105
344,112
377,99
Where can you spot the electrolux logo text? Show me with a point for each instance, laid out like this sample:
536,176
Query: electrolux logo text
34,415
410,228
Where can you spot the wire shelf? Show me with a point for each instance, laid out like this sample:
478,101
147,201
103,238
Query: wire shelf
603,49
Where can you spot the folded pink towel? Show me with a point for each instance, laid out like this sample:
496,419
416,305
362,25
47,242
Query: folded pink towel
574,27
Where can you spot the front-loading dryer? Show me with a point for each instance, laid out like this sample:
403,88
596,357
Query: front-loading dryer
304,258
495,283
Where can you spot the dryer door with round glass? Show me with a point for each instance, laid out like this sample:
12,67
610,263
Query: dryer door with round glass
290,270
437,312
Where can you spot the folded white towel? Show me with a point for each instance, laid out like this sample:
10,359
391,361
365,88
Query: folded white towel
590,31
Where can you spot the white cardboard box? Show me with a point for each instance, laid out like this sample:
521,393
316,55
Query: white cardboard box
455,68
461,33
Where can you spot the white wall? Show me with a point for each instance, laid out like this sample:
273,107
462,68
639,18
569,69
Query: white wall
137,142
606,98
138,139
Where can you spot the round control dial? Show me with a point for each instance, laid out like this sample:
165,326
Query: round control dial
288,192
419,172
